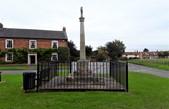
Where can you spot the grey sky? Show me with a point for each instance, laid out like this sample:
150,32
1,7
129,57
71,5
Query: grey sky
138,23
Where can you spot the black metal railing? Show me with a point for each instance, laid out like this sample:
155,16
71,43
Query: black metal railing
0,76
45,71
82,75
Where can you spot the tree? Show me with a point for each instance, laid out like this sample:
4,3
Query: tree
88,51
74,53
145,50
102,54
163,54
115,49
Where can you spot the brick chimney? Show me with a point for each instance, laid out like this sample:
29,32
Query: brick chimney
1,25
64,29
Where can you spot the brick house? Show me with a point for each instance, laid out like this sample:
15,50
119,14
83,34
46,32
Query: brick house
141,55
131,55
149,55
31,39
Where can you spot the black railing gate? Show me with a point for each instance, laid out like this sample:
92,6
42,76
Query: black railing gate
82,76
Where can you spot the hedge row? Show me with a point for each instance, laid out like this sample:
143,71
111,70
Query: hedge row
20,54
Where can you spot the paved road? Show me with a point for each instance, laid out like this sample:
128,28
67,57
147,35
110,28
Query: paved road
132,67
143,69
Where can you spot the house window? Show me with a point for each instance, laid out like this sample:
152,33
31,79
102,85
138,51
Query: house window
9,43
54,57
54,44
32,44
9,57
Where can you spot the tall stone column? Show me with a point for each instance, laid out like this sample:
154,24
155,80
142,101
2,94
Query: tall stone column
82,64
83,75
82,37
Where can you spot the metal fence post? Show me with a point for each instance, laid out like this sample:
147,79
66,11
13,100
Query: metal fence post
48,70
110,69
70,67
127,76
0,76
37,78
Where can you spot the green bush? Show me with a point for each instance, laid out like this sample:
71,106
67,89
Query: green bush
2,53
20,55
44,54
63,54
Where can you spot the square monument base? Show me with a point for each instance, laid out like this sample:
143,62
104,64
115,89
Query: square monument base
84,75
82,68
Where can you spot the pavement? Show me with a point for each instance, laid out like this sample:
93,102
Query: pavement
16,71
144,69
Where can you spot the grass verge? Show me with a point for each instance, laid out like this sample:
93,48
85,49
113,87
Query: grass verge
162,64
145,92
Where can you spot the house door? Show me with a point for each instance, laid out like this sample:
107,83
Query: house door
32,59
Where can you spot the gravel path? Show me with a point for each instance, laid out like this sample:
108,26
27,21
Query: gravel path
143,69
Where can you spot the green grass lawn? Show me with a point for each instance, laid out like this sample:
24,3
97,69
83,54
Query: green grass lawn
145,92
154,63
16,67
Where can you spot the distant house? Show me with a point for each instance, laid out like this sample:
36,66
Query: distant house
149,55
131,55
31,39
140,55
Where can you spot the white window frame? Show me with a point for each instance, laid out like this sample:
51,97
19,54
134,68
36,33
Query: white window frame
6,42
54,41
30,44
6,58
52,56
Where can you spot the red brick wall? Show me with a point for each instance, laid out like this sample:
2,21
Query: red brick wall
63,43
2,58
21,43
43,43
2,43
24,43
2,47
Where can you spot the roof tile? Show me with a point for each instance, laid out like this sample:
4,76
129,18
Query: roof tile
30,33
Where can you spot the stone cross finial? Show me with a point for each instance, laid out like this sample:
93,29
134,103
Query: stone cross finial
81,10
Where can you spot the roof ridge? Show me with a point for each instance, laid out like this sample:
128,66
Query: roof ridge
33,29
